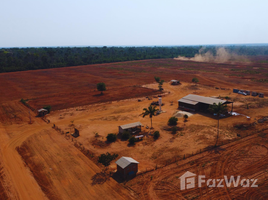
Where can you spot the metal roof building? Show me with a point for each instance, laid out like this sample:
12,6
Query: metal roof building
194,102
123,162
136,126
127,167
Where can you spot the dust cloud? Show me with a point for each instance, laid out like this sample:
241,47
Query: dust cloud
222,56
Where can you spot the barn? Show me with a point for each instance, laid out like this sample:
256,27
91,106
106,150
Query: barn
127,167
133,128
195,103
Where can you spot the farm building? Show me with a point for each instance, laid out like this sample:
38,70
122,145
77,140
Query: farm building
261,95
42,112
175,82
193,102
127,167
133,128
254,94
235,90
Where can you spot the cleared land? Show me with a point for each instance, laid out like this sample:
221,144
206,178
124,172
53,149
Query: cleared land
38,162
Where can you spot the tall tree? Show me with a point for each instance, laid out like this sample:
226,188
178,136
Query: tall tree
101,87
218,109
151,111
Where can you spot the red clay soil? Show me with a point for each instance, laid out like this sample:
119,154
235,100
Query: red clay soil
37,170
75,86
247,158
3,194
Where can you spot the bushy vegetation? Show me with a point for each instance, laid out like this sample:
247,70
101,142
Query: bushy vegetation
174,130
132,140
157,79
125,135
172,121
195,80
156,135
107,158
48,108
111,137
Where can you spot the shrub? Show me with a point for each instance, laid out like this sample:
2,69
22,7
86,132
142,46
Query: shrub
106,159
157,79
111,137
132,140
125,135
48,108
156,135
195,80
174,130
172,121
23,101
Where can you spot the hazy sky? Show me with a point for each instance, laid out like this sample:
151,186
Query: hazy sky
132,22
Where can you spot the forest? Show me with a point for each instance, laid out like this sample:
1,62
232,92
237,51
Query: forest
21,59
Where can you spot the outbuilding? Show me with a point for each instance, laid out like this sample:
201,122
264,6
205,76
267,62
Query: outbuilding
133,128
42,112
127,167
261,95
175,82
194,102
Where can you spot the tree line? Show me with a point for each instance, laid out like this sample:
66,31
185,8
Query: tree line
21,59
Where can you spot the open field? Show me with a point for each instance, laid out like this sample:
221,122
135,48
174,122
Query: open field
75,86
37,162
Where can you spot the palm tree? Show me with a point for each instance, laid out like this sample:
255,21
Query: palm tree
151,111
218,109
185,117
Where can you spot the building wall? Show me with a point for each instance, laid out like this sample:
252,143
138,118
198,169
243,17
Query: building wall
129,172
190,106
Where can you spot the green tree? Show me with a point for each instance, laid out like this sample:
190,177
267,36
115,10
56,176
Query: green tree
132,140
172,121
111,137
156,135
160,86
218,109
157,79
195,80
125,135
101,87
107,158
48,108
151,111
174,130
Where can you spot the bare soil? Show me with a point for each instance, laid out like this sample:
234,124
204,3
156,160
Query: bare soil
37,162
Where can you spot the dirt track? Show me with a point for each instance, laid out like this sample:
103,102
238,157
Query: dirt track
65,173
234,159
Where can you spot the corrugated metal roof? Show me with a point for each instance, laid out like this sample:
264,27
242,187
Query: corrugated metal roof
201,99
188,101
42,109
132,125
123,162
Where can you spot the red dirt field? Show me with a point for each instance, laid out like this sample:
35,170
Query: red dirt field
37,162
75,86
247,158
